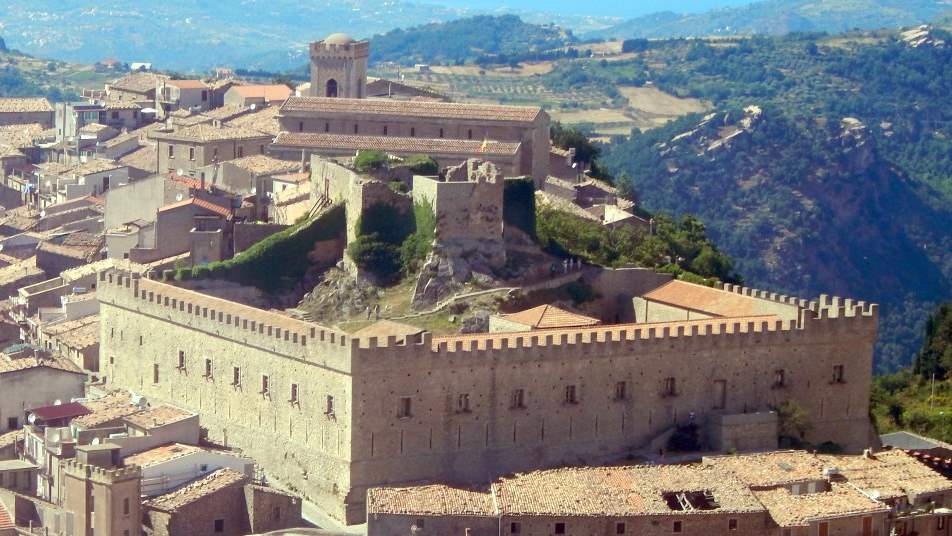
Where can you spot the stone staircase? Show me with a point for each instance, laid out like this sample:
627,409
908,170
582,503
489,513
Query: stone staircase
6,522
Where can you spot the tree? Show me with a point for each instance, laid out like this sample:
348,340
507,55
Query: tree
572,138
793,422
370,160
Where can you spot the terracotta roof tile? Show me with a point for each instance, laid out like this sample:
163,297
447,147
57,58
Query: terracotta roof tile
197,490
264,164
144,158
112,407
206,132
418,109
769,469
24,105
201,203
270,93
436,499
18,364
395,144
704,299
789,510
890,474
187,84
550,316
265,120
138,82
20,136
158,416
161,454
80,333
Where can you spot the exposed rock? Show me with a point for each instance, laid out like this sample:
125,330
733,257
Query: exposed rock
477,323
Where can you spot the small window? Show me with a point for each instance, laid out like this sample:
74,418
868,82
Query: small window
720,394
676,527
418,523
619,528
208,368
261,149
236,376
356,128
125,506
215,153
115,115
462,403
294,393
780,378
469,134
621,390
171,151
560,528
265,387
518,399
204,95
277,513
441,132
155,373
515,528
412,132
140,336
404,409
327,127
940,523
669,387
181,360
385,130
300,126
571,397
240,152
329,407
191,153
219,525
92,499
838,374
731,524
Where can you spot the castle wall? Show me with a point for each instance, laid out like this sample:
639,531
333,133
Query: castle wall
369,442
296,442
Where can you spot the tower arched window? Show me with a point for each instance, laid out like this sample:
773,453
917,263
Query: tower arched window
331,88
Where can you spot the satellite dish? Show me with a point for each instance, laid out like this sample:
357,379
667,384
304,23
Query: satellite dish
178,197
96,441
31,418
42,213
180,172
57,402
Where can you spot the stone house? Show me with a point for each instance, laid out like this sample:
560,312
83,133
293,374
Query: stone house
137,87
24,110
92,177
222,502
62,252
18,476
186,150
249,176
257,95
76,340
170,466
171,95
72,117
29,379
177,228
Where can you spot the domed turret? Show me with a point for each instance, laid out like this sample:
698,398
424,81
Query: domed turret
339,39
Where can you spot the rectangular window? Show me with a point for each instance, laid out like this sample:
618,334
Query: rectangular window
329,408
518,399
13,423
619,528
215,153
181,360
385,130
327,127
570,395
264,384
277,513
208,368
356,128
140,340
515,528
240,152
780,378
261,150
412,132
125,506
669,387
560,528
191,153
731,524
441,133
300,126
940,522
115,115
236,376
462,403
155,373
219,525
469,134
720,394
171,151
621,390
838,374
868,526
404,408
676,527
204,95
294,393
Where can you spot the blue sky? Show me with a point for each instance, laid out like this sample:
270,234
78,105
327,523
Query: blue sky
620,8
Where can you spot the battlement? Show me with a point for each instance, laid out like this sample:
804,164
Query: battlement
101,474
268,330
825,307
618,339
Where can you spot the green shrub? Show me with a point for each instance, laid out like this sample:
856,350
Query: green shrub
422,164
398,187
375,256
416,248
370,160
200,271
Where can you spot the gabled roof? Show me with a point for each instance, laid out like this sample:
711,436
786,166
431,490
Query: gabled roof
704,299
62,411
24,105
197,490
139,82
201,203
187,84
418,109
270,93
550,316
158,416
19,364
204,132
162,454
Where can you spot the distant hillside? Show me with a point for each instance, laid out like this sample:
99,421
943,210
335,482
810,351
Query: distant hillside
25,76
842,183
777,17
466,39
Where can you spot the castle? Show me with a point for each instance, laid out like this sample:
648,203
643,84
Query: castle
331,415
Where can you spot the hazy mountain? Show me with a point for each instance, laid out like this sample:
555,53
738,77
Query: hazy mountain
776,17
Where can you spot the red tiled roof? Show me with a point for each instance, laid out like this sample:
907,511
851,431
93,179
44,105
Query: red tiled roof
705,299
395,144
195,184
187,84
270,93
201,203
550,316
62,411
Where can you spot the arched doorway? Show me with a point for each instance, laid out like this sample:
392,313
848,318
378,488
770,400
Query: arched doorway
331,88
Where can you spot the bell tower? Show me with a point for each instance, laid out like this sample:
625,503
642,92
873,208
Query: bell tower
339,67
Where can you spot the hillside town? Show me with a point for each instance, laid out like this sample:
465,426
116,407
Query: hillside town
200,333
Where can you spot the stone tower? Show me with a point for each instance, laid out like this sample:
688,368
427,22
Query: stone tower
339,67
104,497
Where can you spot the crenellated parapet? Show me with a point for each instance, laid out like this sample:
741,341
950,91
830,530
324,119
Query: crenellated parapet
827,306
239,323
101,474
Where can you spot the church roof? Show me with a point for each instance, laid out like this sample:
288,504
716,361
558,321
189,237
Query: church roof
416,109
393,144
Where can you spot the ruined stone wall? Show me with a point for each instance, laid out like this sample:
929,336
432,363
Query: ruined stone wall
368,441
